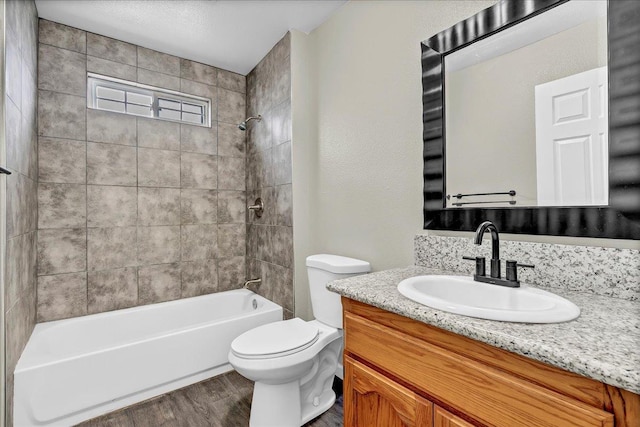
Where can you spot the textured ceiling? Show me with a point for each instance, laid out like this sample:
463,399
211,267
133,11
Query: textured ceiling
233,35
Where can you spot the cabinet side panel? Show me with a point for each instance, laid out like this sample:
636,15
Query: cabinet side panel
624,405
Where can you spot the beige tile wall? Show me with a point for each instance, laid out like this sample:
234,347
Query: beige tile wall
21,33
270,238
134,211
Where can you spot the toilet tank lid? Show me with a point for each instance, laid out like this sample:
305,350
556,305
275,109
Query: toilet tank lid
338,264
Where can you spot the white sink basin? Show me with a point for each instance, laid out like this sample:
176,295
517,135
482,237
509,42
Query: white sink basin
462,295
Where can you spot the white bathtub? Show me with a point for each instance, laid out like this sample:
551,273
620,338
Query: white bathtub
76,369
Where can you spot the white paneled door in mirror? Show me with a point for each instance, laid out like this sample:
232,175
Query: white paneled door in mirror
571,140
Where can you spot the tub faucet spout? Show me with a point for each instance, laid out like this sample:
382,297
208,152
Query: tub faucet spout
248,283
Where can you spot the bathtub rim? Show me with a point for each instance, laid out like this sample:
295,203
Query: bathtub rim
41,328
270,309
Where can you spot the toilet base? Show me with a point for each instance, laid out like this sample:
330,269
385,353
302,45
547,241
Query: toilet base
279,405
293,389
275,405
326,401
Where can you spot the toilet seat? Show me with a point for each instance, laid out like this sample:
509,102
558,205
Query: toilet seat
276,339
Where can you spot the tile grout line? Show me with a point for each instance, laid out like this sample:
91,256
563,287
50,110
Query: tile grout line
180,202
217,263
137,266
86,181
217,251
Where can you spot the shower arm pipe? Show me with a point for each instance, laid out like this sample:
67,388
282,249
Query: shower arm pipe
243,126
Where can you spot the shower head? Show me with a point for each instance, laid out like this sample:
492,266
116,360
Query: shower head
243,126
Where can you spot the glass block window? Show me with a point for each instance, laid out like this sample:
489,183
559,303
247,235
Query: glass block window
121,96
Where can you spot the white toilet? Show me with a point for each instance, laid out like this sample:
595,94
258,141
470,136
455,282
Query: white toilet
293,362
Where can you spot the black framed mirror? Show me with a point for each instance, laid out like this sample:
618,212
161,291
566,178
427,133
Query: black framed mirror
620,218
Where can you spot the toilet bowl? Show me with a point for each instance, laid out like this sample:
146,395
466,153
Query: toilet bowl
293,362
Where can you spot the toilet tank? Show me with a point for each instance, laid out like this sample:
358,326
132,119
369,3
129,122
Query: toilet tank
322,269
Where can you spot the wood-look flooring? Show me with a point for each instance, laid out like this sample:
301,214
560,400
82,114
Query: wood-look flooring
223,401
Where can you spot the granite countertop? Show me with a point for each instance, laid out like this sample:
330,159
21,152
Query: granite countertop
603,343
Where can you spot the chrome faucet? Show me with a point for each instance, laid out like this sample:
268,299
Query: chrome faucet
495,245
494,278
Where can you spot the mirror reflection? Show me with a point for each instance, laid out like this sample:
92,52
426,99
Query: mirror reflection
526,113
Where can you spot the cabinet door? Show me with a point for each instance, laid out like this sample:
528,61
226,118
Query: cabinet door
443,418
373,400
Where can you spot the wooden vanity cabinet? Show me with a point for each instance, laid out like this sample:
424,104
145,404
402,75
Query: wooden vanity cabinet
379,401
401,372
444,418
376,400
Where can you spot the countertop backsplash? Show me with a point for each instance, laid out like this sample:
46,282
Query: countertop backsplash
603,271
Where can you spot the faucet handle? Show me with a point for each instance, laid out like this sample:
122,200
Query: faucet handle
257,207
512,269
480,264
